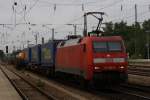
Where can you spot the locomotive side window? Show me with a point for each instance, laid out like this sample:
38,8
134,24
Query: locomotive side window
100,46
114,46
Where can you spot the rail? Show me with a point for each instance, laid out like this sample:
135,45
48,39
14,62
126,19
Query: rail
134,91
21,93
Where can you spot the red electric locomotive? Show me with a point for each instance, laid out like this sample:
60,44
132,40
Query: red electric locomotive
93,58
89,58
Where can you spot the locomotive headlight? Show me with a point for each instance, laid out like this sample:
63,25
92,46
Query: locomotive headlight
121,67
118,59
96,68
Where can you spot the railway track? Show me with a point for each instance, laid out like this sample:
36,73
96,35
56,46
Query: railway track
142,67
137,87
126,91
139,71
118,92
26,90
59,90
132,91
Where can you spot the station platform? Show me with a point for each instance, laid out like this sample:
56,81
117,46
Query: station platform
7,91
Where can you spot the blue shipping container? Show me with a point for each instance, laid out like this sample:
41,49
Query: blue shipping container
36,55
48,52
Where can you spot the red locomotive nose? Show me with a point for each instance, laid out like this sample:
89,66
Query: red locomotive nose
91,56
109,56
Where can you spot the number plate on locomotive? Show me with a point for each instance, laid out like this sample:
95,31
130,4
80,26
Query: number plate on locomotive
109,60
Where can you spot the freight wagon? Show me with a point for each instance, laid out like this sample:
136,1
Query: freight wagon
23,58
35,56
48,52
27,53
91,57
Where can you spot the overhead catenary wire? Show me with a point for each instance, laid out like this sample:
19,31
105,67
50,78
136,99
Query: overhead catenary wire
122,13
113,4
74,20
110,5
66,4
85,3
23,17
28,10
139,16
131,16
71,21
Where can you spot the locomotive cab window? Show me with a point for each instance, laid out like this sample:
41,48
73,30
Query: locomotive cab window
107,46
100,46
114,46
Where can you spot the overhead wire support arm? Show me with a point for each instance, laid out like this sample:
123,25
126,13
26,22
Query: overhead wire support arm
99,23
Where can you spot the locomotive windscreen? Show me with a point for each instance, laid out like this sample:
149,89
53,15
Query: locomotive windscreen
107,46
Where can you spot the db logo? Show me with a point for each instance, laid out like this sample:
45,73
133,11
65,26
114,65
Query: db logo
108,55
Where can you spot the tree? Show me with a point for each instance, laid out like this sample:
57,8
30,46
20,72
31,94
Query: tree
1,54
146,25
133,35
108,29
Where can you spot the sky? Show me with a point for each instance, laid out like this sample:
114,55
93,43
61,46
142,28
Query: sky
21,22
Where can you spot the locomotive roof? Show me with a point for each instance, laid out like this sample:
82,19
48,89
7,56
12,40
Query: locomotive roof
106,38
93,38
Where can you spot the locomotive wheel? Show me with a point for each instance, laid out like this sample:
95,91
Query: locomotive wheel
50,73
124,77
83,83
47,73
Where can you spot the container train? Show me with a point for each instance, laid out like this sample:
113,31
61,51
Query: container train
90,58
